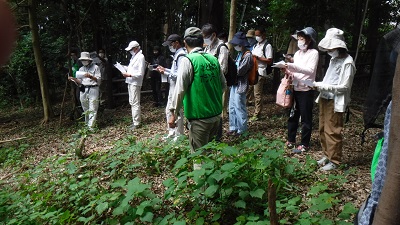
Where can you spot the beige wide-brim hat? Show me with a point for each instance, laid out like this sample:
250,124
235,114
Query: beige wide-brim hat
333,39
85,56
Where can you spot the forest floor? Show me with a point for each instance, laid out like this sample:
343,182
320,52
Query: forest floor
55,138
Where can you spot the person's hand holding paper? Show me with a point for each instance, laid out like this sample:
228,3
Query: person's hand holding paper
281,64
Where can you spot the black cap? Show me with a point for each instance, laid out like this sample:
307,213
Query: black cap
172,38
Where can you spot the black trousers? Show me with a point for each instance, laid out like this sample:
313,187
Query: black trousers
304,105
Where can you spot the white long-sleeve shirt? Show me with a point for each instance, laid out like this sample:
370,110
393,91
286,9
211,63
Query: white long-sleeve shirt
136,68
93,70
223,54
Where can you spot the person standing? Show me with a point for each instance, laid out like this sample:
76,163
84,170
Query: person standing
89,77
220,50
155,76
103,70
175,45
134,78
263,52
251,38
334,97
237,97
303,66
199,86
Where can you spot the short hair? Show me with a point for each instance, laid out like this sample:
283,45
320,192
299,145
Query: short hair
194,41
222,35
261,29
208,29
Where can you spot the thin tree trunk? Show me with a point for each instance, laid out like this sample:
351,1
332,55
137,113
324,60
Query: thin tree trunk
47,111
273,216
232,20
388,212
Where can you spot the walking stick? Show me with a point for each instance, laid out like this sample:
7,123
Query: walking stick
62,104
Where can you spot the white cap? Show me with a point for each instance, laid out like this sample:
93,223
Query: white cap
132,44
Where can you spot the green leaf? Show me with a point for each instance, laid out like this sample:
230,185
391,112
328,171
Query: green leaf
216,217
142,206
200,221
210,191
257,193
218,175
242,184
228,166
180,223
118,211
348,211
148,217
240,204
229,150
118,183
101,207
168,182
180,163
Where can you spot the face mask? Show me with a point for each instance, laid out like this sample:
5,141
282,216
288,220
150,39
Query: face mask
101,55
208,41
132,52
334,54
259,39
238,48
85,63
302,45
172,49
155,52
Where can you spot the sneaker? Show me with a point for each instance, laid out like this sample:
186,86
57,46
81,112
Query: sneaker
300,149
290,145
133,127
323,161
231,133
329,166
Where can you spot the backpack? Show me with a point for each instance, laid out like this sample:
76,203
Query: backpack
269,67
253,72
231,73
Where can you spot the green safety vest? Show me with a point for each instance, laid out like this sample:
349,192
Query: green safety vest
204,96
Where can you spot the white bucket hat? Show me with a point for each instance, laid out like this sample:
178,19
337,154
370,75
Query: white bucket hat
333,39
85,56
132,44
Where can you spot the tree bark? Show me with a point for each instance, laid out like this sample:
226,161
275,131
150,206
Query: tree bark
47,110
273,216
387,212
232,21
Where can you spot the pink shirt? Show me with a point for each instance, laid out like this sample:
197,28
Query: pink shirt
304,67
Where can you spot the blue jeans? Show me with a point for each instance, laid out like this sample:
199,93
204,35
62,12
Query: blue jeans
237,111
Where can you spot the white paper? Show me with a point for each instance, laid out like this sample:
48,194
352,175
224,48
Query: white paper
308,83
164,78
80,74
120,67
280,64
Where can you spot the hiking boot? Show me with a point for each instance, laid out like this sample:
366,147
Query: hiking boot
133,127
290,145
329,166
323,161
300,149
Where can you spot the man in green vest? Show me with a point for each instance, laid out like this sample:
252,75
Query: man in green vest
199,86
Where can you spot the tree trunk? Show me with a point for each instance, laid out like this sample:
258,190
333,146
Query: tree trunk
388,212
273,216
232,20
47,111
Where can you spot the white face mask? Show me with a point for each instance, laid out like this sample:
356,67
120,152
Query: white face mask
259,39
132,52
208,41
101,55
334,54
172,49
238,48
85,63
302,45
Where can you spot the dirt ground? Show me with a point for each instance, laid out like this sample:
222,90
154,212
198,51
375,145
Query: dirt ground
55,137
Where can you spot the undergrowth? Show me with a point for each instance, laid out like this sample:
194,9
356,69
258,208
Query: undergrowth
153,182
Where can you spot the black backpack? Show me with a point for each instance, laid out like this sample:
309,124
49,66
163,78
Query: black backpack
231,74
269,67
